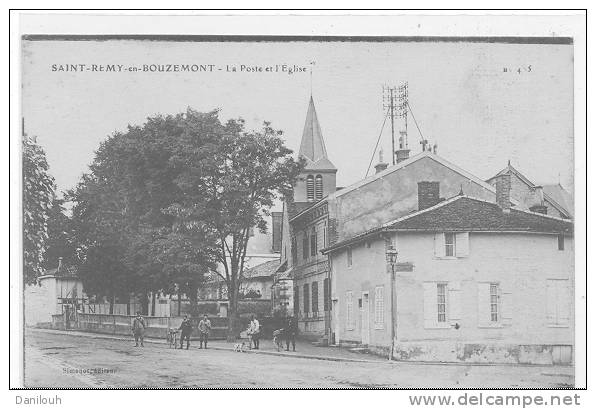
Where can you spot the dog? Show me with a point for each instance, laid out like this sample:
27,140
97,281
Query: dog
239,346
278,336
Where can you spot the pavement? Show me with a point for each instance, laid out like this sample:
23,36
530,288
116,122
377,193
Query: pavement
85,360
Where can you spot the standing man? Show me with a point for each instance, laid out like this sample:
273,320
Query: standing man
138,328
204,329
185,331
254,330
290,331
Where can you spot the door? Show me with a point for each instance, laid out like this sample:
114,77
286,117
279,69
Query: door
365,317
335,320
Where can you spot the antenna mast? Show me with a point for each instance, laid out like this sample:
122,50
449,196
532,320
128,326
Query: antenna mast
395,101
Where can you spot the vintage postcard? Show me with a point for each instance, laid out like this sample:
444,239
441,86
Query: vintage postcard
249,210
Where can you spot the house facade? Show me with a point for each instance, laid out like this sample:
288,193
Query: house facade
475,281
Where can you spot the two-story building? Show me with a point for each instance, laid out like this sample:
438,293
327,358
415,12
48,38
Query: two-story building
474,280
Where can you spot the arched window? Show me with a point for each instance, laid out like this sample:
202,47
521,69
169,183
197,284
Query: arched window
319,187
310,187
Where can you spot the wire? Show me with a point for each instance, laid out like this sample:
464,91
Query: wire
415,122
377,145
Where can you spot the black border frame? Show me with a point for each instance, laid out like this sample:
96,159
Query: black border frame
272,38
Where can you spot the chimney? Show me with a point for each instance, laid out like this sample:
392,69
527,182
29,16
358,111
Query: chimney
538,205
381,166
401,155
503,186
428,194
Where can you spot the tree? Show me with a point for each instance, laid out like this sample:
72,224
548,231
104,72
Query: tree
60,243
232,179
38,195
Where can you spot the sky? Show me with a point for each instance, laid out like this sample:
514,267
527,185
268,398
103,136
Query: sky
468,98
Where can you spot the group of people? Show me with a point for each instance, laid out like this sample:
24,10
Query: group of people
139,325
254,330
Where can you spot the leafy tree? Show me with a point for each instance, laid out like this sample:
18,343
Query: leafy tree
38,195
230,183
60,243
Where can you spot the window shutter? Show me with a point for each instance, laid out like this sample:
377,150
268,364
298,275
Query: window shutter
462,244
483,304
551,302
430,304
454,302
563,302
506,307
439,245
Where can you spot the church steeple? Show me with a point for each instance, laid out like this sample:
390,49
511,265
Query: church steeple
312,146
318,177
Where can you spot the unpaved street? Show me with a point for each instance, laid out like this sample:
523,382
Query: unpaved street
64,360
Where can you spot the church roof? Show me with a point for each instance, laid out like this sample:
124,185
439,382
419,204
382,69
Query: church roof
312,146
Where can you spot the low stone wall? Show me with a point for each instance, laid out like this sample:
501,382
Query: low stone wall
157,327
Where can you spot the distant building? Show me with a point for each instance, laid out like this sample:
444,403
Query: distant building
56,292
550,199
477,280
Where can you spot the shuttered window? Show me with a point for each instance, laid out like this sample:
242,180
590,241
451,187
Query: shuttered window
558,303
449,245
379,308
319,187
296,300
441,302
310,187
315,297
306,301
489,304
452,245
326,295
437,304
349,310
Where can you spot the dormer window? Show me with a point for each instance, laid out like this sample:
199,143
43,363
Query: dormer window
310,188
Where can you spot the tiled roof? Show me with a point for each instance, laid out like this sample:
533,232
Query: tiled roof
470,214
560,195
262,270
463,213
297,207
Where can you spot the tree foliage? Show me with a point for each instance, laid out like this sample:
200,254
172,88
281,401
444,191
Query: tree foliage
178,196
38,196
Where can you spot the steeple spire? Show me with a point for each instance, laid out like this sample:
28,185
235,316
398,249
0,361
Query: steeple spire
312,146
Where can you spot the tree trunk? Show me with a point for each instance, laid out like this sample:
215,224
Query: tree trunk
179,302
233,317
194,302
153,304
128,305
144,304
112,300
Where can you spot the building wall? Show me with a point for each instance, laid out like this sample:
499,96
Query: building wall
40,302
519,263
395,195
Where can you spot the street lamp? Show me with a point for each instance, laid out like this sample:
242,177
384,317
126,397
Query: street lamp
391,256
